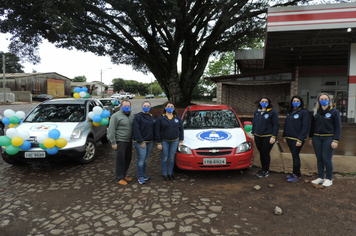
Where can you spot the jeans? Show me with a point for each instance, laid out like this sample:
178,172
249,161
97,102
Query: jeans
123,156
167,156
324,154
142,156
264,147
295,154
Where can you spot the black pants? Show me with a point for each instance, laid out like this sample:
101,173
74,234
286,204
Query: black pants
264,147
123,156
295,154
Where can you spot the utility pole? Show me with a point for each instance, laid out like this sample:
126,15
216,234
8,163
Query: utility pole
3,75
101,80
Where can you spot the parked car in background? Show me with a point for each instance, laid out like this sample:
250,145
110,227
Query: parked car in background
214,139
70,117
123,95
148,96
108,105
42,97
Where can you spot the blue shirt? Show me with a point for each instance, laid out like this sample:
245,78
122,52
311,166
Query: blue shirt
169,129
296,126
144,128
265,123
326,123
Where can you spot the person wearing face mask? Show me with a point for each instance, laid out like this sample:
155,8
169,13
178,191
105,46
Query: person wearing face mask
120,135
143,130
296,128
265,125
324,136
169,135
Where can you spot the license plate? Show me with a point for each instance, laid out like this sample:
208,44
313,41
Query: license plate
214,161
35,154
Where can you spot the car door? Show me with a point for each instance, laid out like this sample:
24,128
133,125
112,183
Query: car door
98,131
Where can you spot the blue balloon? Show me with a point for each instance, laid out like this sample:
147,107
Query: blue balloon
96,118
77,89
25,146
85,89
52,151
20,121
6,121
105,114
54,133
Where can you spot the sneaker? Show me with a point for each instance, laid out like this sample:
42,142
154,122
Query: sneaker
141,180
122,182
146,177
317,181
259,172
127,179
264,174
327,183
293,179
289,176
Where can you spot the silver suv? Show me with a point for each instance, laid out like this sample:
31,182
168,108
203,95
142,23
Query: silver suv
70,117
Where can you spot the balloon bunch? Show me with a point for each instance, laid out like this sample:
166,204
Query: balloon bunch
15,140
99,116
51,142
13,118
248,128
115,102
81,92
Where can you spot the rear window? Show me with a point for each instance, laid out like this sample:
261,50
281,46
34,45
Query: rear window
206,119
57,113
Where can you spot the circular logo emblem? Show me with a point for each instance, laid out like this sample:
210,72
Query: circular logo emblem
296,116
214,135
328,115
266,116
44,127
176,120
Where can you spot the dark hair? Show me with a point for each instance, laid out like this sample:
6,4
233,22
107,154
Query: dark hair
269,103
301,102
164,107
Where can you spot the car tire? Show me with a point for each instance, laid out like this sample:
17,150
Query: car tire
90,152
7,158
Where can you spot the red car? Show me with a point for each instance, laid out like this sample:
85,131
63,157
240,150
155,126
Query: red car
214,139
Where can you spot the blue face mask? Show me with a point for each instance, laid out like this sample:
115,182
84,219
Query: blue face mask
296,104
264,105
146,109
126,109
169,109
324,102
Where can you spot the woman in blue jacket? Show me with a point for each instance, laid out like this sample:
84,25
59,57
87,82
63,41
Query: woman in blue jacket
144,137
324,135
169,135
295,132
265,127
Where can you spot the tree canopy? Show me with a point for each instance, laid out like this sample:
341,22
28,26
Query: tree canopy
81,78
149,35
12,63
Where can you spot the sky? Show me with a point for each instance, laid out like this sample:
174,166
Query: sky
71,63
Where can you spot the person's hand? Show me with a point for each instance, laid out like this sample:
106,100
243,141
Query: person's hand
253,138
143,145
310,142
298,144
334,145
114,146
180,144
159,146
272,140
285,140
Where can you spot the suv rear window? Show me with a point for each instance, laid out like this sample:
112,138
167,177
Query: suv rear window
57,113
210,119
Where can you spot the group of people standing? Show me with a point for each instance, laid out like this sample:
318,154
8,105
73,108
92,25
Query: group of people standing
324,135
144,130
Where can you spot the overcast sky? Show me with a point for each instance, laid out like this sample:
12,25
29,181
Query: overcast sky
71,63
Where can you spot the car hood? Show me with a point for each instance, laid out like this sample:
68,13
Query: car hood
205,138
35,129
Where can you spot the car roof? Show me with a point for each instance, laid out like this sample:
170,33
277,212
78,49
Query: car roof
68,101
208,107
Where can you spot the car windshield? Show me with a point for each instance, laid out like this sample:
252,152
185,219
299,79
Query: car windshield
205,119
57,113
106,102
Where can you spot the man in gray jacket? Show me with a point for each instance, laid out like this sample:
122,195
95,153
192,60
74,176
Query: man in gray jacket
120,135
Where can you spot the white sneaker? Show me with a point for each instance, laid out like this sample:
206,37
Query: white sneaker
327,183
317,181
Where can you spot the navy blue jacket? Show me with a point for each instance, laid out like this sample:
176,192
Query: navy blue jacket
265,124
144,128
169,130
296,126
326,125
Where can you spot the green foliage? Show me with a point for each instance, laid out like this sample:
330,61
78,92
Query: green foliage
118,84
81,78
134,86
12,64
156,88
222,65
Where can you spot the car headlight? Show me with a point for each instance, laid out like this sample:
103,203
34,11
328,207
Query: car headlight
184,150
76,133
244,147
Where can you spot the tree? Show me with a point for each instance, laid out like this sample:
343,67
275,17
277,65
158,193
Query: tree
12,64
156,88
81,78
118,84
149,35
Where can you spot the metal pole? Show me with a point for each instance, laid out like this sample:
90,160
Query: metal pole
3,74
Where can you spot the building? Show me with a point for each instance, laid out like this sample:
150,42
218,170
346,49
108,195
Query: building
308,50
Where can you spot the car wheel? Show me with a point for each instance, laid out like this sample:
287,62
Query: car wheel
7,158
90,152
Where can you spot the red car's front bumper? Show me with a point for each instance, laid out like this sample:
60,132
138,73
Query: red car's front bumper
233,161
